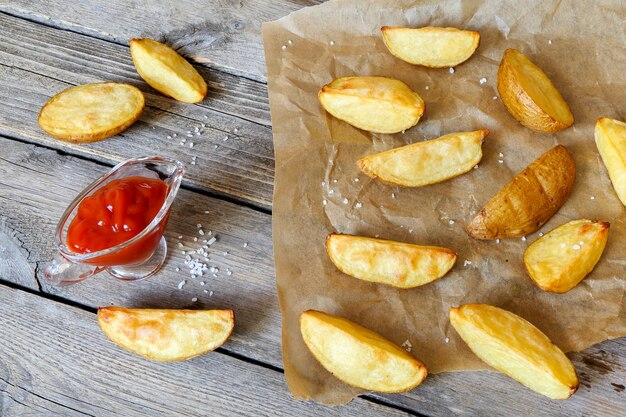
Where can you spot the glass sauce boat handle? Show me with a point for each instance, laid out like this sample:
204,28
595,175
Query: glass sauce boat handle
60,271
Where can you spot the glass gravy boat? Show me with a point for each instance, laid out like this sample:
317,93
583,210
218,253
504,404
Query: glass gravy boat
137,258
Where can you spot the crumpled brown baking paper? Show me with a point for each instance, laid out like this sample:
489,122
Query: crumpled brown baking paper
319,188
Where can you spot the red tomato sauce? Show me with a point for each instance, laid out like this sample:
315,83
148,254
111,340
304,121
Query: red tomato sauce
116,213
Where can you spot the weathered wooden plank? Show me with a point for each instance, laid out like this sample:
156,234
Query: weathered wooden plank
79,59
58,362
241,165
224,34
36,184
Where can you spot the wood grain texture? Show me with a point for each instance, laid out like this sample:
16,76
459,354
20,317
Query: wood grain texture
48,367
234,156
41,183
219,34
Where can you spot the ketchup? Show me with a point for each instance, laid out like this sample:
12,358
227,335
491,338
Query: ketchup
116,213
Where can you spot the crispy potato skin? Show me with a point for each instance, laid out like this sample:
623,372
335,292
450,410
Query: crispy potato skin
166,335
529,200
400,265
610,136
425,163
375,104
516,348
433,47
529,95
559,260
91,112
359,356
167,71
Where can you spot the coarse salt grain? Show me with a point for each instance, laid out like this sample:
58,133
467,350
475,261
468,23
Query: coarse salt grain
501,155
549,41
450,221
427,88
592,198
290,42
576,247
210,293
225,253
523,238
324,202
199,225
332,43
245,244
180,236
174,135
540,234
211,241
194,299
201,232
451,70
447,339
498,241
191,144
202,283
283,47
177,269
182,284
467,262
407,345
358,205
344,201
331,192
500,161
482,80
356,180
393,195
494,97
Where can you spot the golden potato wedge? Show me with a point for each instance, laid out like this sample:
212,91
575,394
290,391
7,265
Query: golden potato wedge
166,335
425,163
558,261
401,265
610,137
91,112
529,200
166,71
429,46
530,96
516,348
359,356
375,104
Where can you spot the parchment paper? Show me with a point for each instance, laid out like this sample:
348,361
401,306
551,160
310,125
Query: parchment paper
582,49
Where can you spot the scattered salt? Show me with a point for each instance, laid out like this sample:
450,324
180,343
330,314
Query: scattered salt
324,202
199,225
180,236
494,97
210,293
450,221
211,241
451,70
501,155
191,144
356,180
182,284
358,205
497,241
245,244
549,41
332,43
202,283
500,161
201,232
290,42
194,299
592,198
447,339
177,269
206,211
482,80
174,135
467,262
540,234
407,345
523,238
427,88
393,195
331,192
475,166
225,253
344,201
576,247
283,47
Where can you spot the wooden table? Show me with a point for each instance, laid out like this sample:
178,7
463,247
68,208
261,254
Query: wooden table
53,358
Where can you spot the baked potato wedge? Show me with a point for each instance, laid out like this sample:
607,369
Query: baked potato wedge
166,71
375,104
359,356
529,95
166,335
558,261
529,200
428,162
91,112
610,135
429,46
516,348
401,265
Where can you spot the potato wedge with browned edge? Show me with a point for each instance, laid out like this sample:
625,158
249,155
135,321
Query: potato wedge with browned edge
428,162
434,47
401,265
529,200
359,356
530,96
610,135
558,261
166,335
375,104
166,71
516,348
91,112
